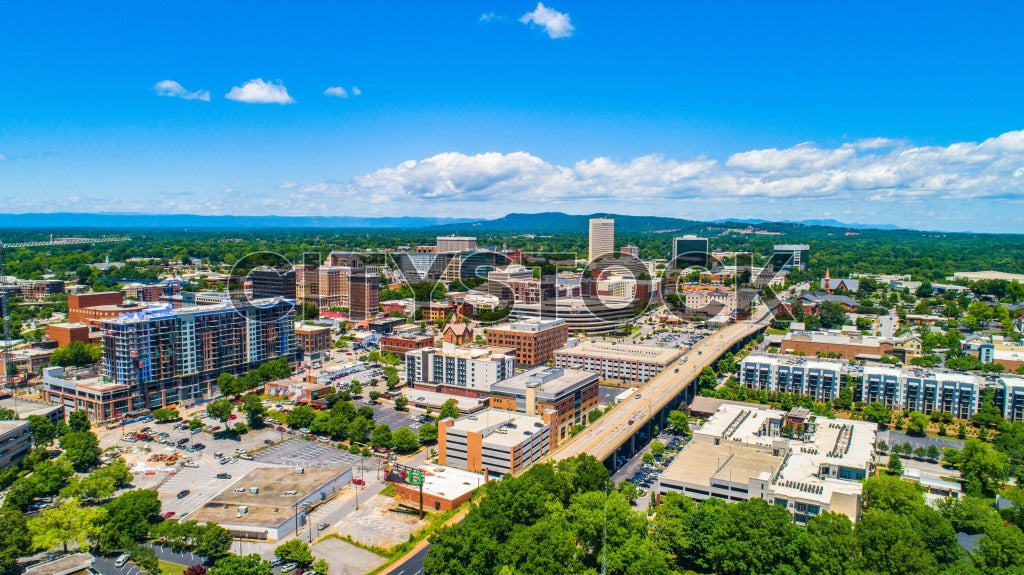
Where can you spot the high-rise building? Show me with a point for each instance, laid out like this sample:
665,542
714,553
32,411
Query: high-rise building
268,282
602,237
364,301
455,244
164,355
690,251
789,256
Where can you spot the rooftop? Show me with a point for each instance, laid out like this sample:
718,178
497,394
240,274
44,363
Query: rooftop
550,382
490,423
788,360
271,507
734,462
66,565
449,482
623,351
529,325
435,400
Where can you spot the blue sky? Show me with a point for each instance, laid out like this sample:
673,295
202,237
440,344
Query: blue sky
905,113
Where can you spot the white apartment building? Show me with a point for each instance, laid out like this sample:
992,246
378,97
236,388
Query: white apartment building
474,368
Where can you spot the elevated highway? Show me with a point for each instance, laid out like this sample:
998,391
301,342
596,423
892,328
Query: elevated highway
628,426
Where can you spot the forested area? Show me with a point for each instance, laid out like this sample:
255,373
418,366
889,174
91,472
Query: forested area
567,518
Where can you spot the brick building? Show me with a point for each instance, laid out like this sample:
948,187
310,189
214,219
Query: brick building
534,339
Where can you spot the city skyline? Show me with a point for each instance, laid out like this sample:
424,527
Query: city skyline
868,114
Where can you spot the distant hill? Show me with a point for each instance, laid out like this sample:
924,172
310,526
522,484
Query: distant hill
183,221
558,222
823,223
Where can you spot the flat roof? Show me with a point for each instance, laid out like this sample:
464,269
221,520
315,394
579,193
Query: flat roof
698,463
529,325
66,565
449,482
622,352
702,404
740,423
311,328
435,400
791,361
488,421
270,507
550,382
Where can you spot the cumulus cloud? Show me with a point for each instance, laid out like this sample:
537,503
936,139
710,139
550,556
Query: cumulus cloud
259,92
175,90
853,174
555,23
356,91
336,91
488,16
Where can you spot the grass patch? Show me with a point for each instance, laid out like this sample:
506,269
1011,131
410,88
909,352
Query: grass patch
389,491
168,568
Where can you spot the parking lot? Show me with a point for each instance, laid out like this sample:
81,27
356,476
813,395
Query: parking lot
305,453
201,482
386,414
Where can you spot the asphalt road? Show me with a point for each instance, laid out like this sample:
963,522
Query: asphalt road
602,438
411,566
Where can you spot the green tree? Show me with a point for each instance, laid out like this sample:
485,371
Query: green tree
76,353
752,537
355,388
308,311
254,410
1001,549
449,408
381,436
629,491
301,417
401,403
917,423
375,395
78,421
227,384
359,429
214,541
220,409
15,541
235,565
890,544
895,465
82,449
68,522
983,467
295,551
877,411
129,518
679,423
321,566
42,430
163,415
647,457
829,545
831,315
145,558
657,448
404,440
427,433
8,414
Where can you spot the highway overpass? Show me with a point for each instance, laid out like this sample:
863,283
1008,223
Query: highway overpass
629,426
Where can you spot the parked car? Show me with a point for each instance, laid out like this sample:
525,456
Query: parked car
223,476
183,493
288,567
168,515
322,525
358,481
245,456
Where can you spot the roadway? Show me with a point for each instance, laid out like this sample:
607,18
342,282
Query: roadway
613,429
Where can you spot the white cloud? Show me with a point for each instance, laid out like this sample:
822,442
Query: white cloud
555,23
488,16
287,186
176,90
259,92
356,91
336,91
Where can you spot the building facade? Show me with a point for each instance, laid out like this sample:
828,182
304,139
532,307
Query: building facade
789,256
568,394
364,299
535,340
819,379
312,338
617,361
455,244
690,251
472,368
498,442
602,238
15,442
167,355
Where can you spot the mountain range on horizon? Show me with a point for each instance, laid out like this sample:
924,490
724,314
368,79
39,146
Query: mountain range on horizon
544,222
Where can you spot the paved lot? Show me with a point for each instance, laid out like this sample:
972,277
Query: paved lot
345,558
386,414
606,394
202,482
892,437
379,522
304,453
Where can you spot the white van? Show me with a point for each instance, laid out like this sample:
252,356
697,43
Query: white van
121,560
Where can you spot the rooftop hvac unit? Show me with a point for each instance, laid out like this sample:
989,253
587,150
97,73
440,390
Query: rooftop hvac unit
299,471
242,510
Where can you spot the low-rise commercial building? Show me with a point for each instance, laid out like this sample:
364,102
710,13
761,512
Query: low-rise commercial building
297,390
86,390
402,344
535,340
740,453
569,394
617,361
65,333
444,488
497,441
276,501
312,338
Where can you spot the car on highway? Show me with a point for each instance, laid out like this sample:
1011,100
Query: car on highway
183,493
630,422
